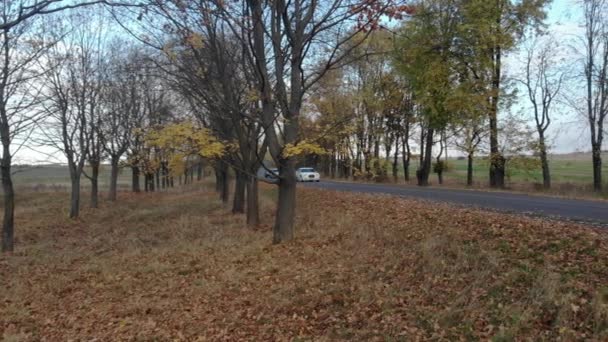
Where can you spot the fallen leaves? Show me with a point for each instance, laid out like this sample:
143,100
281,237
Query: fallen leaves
177,266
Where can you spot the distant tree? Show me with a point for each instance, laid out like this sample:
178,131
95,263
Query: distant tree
408,113
468,137
491,29
426,61
595,45
330,123
180,141
518,145
124,107
72,85
18,24
92,32
543,81
155,112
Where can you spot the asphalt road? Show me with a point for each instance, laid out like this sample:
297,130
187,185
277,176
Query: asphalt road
559,208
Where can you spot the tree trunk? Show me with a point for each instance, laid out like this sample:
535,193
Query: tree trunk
199,171
75,197
238,203
544,162
597,167
8,224
358,162
283,228
218,180
222,186
406,160
253,210
422,139
497,170
337,166
163,176
113,178
135,179
377,149
151,182
396,161
470,169
422,174
94,184
156,177
497,160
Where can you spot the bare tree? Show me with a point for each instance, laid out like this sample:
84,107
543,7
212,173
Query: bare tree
155,111
281,42
294,31
468,136
21,46
595,42
71,99
95,153
542,80
207,66
23,10
124,101
17,20
94,37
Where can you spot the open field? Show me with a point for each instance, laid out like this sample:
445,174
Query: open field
570,173
578,171
176,265
56,176
575,169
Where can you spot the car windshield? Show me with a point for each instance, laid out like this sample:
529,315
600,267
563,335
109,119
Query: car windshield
307,169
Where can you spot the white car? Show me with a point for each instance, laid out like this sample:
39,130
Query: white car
307,174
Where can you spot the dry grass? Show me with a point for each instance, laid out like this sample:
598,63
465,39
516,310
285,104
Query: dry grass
178,266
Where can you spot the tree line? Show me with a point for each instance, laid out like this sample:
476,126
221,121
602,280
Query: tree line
438,80
217,81
162,87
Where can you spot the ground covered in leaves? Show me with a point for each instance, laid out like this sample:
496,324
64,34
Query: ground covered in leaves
179,266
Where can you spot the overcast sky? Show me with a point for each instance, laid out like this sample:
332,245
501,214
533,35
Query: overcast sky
569,131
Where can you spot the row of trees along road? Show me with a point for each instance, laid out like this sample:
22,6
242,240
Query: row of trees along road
71,82
163,85
214,80
246,67
437,75
438,78
24,43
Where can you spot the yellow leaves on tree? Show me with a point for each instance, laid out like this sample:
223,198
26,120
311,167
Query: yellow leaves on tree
195,40
181,141
252,95
169,51
302,148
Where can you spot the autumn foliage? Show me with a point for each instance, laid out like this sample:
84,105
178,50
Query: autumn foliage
179,141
